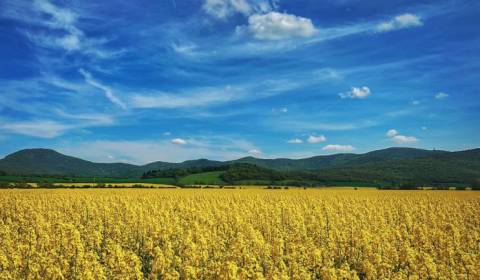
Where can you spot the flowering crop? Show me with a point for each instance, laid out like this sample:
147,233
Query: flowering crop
239,234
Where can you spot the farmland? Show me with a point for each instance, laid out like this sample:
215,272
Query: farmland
239,234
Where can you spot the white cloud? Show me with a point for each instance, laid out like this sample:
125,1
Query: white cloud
441,95
90,118
424,128
339,148
106,90
311,123
327,74
178,141
396,137
60,19
402,139
355,92
69,42
400,22
312,139
49,128
167,133
213,96
295,141
185,49
62,25
193,99
222,9
278,26
415,102
36,128
255,152
392,132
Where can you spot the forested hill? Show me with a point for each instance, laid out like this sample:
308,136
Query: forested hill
393,164
443,168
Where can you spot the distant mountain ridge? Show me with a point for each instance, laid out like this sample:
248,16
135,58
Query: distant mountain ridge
50,162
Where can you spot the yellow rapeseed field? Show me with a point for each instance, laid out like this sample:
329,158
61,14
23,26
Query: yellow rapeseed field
239,234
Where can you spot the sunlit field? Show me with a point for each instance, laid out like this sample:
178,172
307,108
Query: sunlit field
239,234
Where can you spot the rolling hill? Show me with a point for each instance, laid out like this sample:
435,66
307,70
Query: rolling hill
338,160
392,164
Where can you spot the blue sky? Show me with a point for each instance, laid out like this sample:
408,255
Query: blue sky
171,80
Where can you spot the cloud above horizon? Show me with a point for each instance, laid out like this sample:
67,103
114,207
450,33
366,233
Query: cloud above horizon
295,141
338,148
396,137
178,141
313,139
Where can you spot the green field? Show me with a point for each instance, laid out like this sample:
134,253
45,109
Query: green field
205,178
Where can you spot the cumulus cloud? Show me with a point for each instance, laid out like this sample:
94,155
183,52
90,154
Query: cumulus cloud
295,141
178,141
359,93
396,137
391,133
106,90
312,139
400,22
441,95
278,26
339,148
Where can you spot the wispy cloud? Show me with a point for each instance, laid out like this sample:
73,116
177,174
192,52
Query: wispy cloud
93,118
58,124
338,148
106,90
59,28
312,124
202,97
400,22
295,141
441,95
35,128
